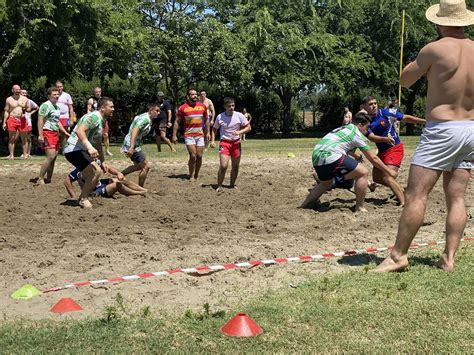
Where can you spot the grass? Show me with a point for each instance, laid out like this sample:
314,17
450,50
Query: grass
422,310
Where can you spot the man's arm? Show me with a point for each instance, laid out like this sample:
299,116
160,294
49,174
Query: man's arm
40,128
379,139
61,129
133,139
416,69
174,138
71,114
81,132
413,119
168,123
244,130
114,171
375,161
212,111
6,113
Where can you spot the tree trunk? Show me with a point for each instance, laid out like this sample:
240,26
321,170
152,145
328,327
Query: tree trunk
286,96
410,105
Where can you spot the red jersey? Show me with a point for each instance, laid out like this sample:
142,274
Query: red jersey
194,119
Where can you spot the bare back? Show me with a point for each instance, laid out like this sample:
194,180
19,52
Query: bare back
450,80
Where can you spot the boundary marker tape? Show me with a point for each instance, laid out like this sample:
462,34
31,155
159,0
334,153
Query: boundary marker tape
247,264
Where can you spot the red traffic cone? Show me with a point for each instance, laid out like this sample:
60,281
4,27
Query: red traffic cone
241,326
65,305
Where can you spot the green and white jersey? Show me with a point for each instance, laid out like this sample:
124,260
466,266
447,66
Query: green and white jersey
338,143
50,112
95,129
143,123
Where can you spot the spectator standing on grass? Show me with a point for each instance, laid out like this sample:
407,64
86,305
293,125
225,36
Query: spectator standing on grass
80,151
140,127
67,111
193,114
92,106
446,145
163,122
49,127
230,125
33,109
211,112
248,116
390,149
14,121
347,118
334,156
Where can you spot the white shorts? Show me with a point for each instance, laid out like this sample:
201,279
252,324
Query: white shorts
446,146
197,141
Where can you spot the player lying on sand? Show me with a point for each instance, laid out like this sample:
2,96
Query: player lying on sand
105,187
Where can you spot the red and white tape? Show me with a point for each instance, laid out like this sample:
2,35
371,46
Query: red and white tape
247,264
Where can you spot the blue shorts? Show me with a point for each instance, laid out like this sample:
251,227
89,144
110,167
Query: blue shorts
138,157
339,168
101,189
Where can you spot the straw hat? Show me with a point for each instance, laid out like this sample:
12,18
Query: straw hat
450,13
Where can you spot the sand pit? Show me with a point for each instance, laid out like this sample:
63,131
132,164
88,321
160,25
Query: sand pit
47,242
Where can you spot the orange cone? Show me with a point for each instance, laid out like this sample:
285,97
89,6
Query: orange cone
65,305
241,326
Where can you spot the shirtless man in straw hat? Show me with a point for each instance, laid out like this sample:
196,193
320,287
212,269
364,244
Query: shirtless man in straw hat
447,143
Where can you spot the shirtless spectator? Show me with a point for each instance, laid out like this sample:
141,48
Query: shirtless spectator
14,121
92,106
211,112
33,109
446,145
347,116
66,110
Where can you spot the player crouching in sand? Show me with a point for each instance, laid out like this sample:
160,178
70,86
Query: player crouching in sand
331,159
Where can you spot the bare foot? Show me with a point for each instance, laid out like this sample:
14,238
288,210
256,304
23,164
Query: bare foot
390,265
218,188
11,157
173,150
233,187
360,209
444,264
85,203
109,153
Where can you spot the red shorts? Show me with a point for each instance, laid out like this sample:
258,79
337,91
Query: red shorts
106,128
17,124
51,139
230,148
65,122
392,156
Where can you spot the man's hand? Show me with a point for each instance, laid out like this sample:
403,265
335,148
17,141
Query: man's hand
4,126
40,139
393,174
93,153
130,151
174,139
390,140
208,137
168,124
120,176
105,167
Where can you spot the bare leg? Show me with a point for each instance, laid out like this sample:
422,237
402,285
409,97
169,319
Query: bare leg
131,169
143,172
192,159
235,171
48,166
28,140
223,164
165,139
107,145
199,153
92,174
360,174
24,143
317,192
455,184
12,139
381,178
420,183
124,188
133,186
63,139
158,140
